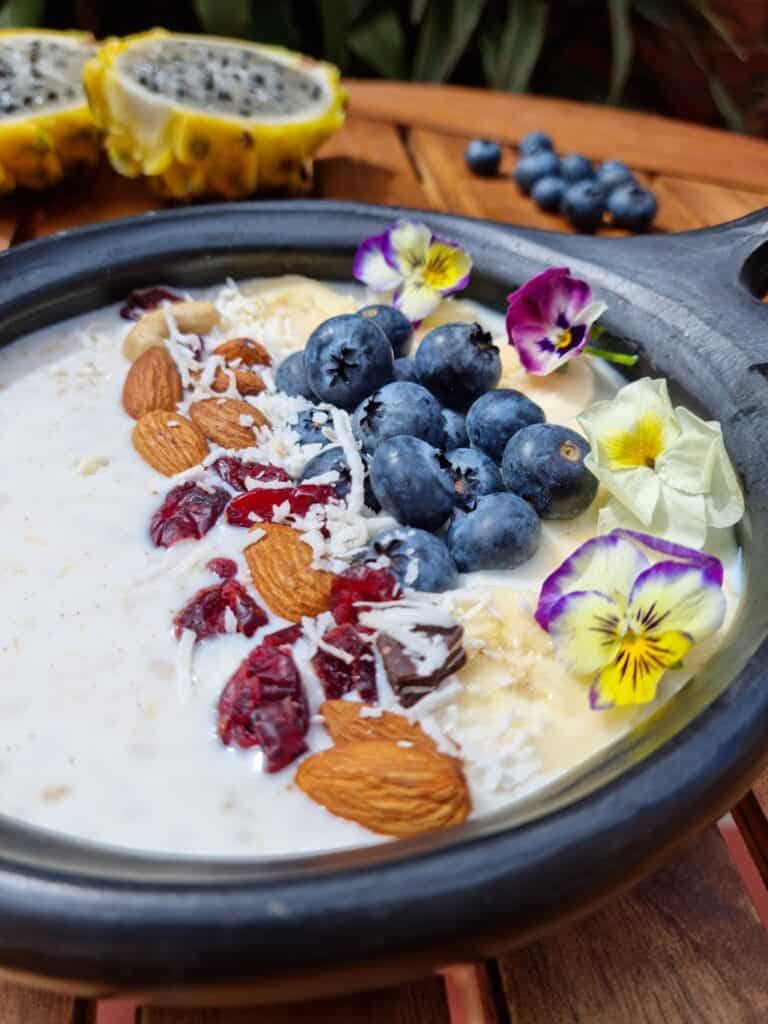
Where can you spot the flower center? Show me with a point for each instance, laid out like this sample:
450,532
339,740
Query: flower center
640,445
563,339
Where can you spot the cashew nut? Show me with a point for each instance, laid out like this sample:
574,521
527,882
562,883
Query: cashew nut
191,317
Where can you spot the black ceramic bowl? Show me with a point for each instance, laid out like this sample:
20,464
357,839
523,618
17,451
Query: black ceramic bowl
95,919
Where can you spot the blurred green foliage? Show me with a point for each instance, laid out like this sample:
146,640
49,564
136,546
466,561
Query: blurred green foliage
515,45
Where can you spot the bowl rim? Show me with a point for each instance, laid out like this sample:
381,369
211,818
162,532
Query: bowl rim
76,910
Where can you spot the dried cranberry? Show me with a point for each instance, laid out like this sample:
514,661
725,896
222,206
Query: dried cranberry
225,568
339,676
361,584
144,299
261,502
206,613
285,637
188,511
263,705
233,471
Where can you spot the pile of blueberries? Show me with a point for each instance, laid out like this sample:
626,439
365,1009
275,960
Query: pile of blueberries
571,185
469,470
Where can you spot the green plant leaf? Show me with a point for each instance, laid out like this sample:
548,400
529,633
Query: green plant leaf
379,40
418,7
225,17
715,22
726,105
21,13
445,33
510,57
622,45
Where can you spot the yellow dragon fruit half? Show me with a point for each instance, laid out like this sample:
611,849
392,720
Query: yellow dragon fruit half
46,126
203,115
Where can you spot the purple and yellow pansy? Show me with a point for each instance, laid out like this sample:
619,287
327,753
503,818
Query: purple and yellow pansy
625,607
549,320
415,265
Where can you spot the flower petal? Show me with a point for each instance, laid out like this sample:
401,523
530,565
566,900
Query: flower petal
586,628
712,566
609,564
447,267
636,671
416,301
532,302
371,266
408,244
678,597
590,313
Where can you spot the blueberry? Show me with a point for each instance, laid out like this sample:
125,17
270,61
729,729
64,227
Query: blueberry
547,193
405,369
455,426
291,377
545,465
496,416
501,532
584,205
534,142
575,167
346,358
417,558
612,173
398,408
632,207
473,474
529,169
458,363
334,460
411,483
310,425
483,157
396,326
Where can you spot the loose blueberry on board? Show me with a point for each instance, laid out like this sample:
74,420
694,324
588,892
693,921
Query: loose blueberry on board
333,460
529,169
584,205
632,207
501,532
411,483
418,559
534,142
497,416
398,408
473,473
455,426
483,157
310,425
394,324
291,377
612,173
346,358
575,167
544,464
458,363
405,369
548,192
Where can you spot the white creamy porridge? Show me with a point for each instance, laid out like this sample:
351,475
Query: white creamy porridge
107,721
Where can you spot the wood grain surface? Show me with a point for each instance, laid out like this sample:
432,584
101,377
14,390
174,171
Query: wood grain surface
25,1006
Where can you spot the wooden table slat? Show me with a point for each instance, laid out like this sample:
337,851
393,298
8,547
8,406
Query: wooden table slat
684,947
646,141
28,1006
422,1002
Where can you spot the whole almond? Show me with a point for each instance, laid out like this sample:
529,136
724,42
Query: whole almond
153,382
280,564
346,724
248,351
246,382
168,442
191,317
388,788
219,420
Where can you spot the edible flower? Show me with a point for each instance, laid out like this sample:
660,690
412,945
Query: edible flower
416,266
621,621
665,469
549,320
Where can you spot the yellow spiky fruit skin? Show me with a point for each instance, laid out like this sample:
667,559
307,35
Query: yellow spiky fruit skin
185,152
38,150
